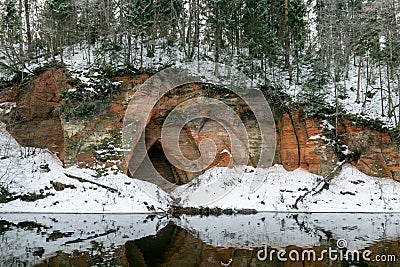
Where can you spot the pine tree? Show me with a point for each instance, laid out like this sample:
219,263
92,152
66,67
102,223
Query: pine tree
138,18
59,19
298,31
10,37
313,94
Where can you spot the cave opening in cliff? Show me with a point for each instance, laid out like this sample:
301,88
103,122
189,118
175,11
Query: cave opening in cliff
155,163
209,126
160,162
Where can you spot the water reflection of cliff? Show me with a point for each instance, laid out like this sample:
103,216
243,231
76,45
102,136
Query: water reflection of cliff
174,246
142,240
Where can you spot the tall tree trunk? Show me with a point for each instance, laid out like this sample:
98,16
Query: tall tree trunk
287,38
359,81
217,41
21,46
196,39
188,41
237,31
398,95
129,49
364,104
381,88
390,99
141,51
336,104
28,26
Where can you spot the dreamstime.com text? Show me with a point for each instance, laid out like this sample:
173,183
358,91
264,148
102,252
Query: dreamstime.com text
341,253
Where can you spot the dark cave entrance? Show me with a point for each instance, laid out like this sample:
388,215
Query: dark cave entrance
157,160
161,163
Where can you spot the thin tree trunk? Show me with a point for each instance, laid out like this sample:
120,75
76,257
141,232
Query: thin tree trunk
287,38
358,81
21,47
141,51
336,106
366,87
217,40
381,88
237,31
398,95
28,26
198,30
129,49
390,101
196,38
189,31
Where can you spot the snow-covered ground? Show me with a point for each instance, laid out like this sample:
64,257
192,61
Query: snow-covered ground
31,170
350,191
24,171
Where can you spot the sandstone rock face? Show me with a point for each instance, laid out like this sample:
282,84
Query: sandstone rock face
93,142
36,121
303,143
9,94
289,145
379,156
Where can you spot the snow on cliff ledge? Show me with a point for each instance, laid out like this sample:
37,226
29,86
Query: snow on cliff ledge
35,172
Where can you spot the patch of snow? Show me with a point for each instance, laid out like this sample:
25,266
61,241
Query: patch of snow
6,107
314,137
327,125
226,151
346,150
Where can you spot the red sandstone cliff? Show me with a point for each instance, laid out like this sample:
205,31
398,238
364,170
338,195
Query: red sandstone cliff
301,141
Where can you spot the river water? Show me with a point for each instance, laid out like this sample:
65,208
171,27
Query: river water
263,239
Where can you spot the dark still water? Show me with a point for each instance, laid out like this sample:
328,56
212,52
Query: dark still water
264,239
